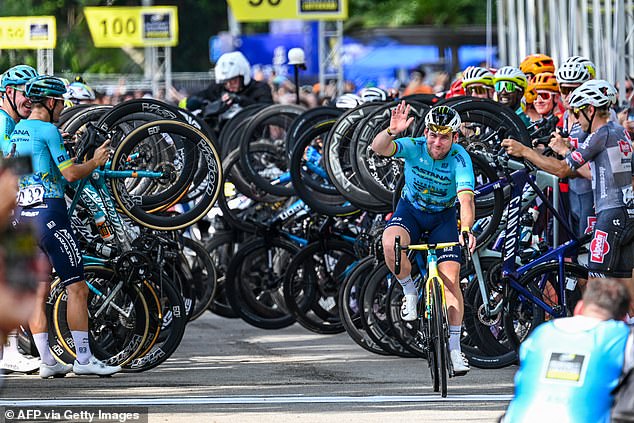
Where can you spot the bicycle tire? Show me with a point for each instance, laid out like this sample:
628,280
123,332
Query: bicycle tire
203,274
439,331
112,339
253,288
221,247
196,143
311,298
350,310
526,316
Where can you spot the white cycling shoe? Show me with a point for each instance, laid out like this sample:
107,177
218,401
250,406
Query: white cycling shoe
20,363
94,367
408,309
55,370
459,363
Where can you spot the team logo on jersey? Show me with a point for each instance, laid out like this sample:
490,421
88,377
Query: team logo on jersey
625,147
599,246
574,142
592,220
577,157
60,159
444,165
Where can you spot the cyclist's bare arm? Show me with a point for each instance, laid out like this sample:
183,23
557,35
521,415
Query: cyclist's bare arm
467,215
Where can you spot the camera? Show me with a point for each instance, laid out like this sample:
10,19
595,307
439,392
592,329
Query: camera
20,166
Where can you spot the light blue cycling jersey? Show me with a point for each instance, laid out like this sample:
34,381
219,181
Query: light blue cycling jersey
568,368
6,128
43,142
433,185
520,112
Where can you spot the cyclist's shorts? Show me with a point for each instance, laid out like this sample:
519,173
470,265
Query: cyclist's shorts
441,226
611,249
55,237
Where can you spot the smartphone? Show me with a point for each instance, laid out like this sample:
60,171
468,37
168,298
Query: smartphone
630,114
20,255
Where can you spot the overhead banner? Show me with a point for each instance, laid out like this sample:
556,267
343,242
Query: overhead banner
267,10
150,26
27,32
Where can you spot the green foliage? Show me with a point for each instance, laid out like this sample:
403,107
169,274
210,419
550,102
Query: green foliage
201,19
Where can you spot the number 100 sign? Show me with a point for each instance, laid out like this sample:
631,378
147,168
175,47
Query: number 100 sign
133,26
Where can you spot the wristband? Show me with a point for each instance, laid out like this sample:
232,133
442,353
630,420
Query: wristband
465,229
390,133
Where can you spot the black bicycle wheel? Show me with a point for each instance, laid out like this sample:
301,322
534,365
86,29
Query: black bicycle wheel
440,333
187,144
221,247
375,309
312,282
116,332
523,316
350,305
202,272
254,282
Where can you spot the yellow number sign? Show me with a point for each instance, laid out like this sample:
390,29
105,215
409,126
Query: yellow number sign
266,10
27,32
133,26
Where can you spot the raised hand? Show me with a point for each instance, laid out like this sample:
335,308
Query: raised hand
400,121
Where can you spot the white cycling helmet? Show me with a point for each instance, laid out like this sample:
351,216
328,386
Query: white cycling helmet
589,93
348,101
572,73
513,74
476,75
592,69
230,65
439,118
371,94
605,87
77,92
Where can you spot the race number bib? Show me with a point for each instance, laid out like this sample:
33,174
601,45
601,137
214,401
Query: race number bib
31,195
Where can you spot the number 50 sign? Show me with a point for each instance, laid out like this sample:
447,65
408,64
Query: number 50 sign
133,26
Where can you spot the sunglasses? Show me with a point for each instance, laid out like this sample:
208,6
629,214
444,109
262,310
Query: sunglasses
478,89
567,90
545,95
577,110
508,86
439,129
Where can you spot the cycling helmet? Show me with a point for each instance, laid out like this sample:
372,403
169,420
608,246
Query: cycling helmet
573,73
592,69
513,74
442,119
605,87
537,63
456,89
348,101
230,65
545,81
588,93
371,94
78,91
476,75
530,94
45,86
18,75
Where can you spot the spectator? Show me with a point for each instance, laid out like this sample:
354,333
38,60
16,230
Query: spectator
417,84
569,366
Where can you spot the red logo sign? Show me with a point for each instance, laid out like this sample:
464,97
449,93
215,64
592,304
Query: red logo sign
591,221
625,147
599,246
577,157
574,142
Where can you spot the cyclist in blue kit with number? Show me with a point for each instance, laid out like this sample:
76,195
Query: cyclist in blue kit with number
437,171
41,203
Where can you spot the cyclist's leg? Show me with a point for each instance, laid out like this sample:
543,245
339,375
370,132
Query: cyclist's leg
611,249
403,224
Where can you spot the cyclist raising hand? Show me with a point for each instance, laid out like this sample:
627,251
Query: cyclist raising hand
437,171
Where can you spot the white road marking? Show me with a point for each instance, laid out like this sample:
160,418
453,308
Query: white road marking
250,400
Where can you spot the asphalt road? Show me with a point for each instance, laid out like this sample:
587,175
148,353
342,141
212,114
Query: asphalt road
228,371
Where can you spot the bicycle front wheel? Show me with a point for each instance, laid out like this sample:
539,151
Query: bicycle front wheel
439,335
